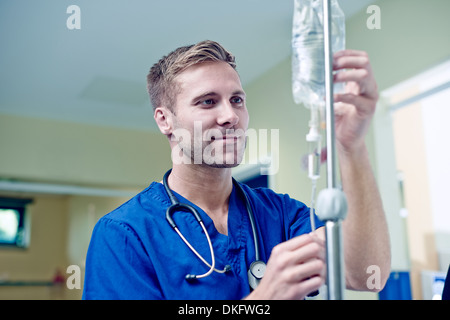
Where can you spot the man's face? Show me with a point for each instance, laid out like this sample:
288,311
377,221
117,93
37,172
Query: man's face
210,117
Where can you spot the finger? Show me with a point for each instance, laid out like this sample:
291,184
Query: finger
313,250
357,75
341,108
349,52
347,62
312,284
300,251
360,102
306,287
310,251
295,243
315,236
307,270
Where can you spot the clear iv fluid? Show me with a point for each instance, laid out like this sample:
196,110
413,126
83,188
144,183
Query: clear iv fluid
308,72
308,60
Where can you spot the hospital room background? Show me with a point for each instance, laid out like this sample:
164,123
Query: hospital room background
77,137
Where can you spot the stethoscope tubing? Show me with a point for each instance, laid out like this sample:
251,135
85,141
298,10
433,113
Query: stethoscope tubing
176,205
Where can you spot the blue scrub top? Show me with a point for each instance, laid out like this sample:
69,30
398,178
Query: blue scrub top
135,254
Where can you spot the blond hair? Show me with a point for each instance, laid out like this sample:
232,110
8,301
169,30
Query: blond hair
161,86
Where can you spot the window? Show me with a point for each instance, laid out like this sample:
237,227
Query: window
13,227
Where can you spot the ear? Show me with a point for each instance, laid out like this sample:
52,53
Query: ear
163,117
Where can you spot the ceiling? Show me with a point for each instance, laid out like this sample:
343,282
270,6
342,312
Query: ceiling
96,74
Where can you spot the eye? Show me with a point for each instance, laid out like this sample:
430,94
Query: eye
237,100
207,102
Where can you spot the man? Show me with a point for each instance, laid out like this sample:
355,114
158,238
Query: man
199,104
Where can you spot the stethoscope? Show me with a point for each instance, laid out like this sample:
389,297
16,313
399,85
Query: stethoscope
257,267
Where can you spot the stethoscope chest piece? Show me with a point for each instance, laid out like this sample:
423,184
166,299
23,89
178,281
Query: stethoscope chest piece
256,273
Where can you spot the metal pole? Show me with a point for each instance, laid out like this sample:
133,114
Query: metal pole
331,202
329,100
335,261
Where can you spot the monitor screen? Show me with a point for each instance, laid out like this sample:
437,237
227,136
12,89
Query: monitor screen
11,227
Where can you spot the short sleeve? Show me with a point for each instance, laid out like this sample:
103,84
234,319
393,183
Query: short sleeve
117,265
299,218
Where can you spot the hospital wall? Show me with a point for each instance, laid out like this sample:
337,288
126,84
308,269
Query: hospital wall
44,257
63,153
53,151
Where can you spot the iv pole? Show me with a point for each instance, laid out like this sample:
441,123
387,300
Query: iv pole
331,202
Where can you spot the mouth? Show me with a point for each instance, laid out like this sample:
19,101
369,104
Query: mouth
226,138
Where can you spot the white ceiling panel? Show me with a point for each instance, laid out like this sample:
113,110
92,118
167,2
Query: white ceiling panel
97,74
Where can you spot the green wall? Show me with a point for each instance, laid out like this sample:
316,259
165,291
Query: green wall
55,151
414,36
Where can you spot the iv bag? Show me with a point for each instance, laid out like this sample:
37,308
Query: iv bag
308,60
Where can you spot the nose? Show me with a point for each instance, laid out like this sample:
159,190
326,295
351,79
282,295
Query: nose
227,115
